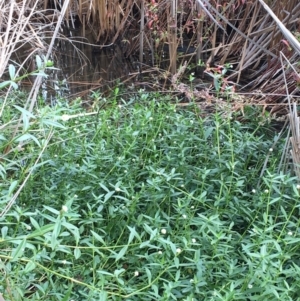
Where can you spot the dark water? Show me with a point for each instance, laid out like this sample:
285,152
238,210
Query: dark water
84,66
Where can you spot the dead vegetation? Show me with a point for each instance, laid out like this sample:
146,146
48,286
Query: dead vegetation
248,35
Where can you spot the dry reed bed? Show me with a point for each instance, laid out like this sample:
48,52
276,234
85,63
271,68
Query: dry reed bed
241,33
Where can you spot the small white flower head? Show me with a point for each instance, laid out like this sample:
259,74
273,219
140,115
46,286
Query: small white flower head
136,273
120,106
75,196
55,156
125,171
184,216
117,189
266,190
182,185
151,118
191,280
193,240
163,231
65,117
64,262
298,186
28,227
174,142
270,150
191,121
253,190
178,251
290,233
167,117
192,207
159,252
250,285
119,158
64,208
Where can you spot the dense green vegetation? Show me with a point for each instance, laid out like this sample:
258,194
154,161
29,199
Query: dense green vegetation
143,201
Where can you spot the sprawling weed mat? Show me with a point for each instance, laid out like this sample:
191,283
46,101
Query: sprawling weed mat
145,202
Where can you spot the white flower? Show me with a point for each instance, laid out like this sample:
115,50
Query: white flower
298,187
193,207
253,190
178,251
159,252
266,191
64,262
163,231
75,196
193,240
151,118
125,171
136,273
28,227
271,149
65,117
184,216
117,189
191,121
64,208
250,285
290,233
191,280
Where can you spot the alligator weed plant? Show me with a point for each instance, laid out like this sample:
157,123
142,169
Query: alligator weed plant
143,201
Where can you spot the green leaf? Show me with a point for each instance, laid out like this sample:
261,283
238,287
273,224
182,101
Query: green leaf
39,62
34,223
148,275
132,234
12,71
41,231
108,195
52,123
12,187
25,112
28,137
77,253
98,237
121,253
29,267
4,232
55,233
68,294
18,252
73,229
2,138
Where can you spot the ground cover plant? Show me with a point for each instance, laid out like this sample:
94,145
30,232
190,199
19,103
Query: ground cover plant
144,201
